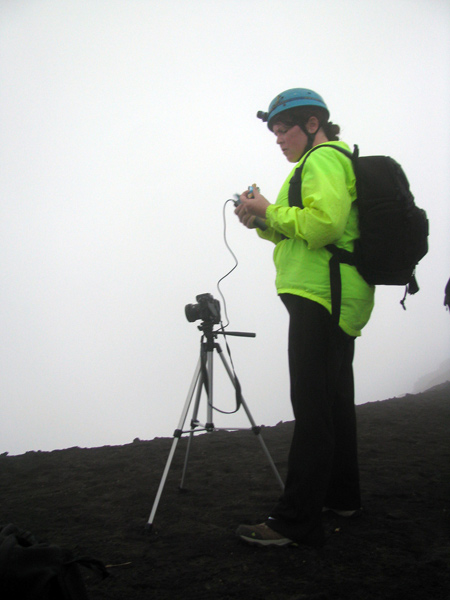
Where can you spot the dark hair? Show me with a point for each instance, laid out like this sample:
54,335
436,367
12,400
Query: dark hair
301,115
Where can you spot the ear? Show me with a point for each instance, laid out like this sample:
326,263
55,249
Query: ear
313,125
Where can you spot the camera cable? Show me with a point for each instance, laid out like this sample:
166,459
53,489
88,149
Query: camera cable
236,262
222,326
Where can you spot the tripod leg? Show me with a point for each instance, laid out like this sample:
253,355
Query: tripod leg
209,409
177,436
257,432
194,423
161,484
255,428
206,377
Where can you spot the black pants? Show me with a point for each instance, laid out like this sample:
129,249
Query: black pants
322,465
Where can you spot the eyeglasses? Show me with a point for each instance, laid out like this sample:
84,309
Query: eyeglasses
282,130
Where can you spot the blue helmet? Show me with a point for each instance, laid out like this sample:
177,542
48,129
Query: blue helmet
291,99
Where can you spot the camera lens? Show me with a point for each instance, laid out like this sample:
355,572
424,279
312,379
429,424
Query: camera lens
192,312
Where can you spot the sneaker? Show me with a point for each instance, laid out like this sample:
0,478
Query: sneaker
262,535
348,514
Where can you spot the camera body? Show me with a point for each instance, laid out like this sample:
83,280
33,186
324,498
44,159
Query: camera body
207,309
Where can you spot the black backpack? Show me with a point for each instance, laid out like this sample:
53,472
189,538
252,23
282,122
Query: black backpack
393,230
33,570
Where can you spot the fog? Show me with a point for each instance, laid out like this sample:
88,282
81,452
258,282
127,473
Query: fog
126,125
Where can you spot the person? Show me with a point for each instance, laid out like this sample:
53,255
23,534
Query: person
323,471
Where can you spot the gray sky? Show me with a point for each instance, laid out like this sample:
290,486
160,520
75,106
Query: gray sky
125,126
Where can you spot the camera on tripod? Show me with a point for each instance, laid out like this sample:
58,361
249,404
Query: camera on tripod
207,309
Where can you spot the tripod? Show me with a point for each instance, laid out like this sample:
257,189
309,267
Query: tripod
203,377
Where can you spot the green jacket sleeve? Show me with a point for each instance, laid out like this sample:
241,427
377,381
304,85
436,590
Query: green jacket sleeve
326,200
270,234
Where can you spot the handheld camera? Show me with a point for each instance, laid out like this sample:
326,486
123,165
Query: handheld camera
260,223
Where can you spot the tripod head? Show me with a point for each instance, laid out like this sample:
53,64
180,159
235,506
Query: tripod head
208,309
208,331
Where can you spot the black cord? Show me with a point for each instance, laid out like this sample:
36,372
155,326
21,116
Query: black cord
235,261
222,326
236,380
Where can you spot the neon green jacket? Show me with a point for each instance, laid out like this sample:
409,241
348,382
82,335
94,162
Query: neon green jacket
328,217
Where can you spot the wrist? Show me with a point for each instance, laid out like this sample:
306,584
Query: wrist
263,211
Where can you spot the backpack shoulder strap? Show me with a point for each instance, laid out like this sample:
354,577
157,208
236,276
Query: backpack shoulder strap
295,183
338,255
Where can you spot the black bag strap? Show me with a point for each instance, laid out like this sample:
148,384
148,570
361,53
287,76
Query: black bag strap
338,255
335,288
295,183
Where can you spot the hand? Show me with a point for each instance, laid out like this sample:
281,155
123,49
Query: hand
245,217
251,208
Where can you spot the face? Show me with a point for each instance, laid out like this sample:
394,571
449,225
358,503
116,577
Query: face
292,141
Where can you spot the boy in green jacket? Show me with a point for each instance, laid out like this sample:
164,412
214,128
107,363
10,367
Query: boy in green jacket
323,469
